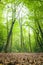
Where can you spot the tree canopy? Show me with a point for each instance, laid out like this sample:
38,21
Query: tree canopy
21,25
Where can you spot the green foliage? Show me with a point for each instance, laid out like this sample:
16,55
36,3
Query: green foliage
26,35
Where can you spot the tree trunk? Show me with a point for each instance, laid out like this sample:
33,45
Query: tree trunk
30,41
9,36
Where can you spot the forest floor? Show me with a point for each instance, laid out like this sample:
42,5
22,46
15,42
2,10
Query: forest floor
21,58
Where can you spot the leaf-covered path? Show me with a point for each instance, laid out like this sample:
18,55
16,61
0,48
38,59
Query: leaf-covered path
21,58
